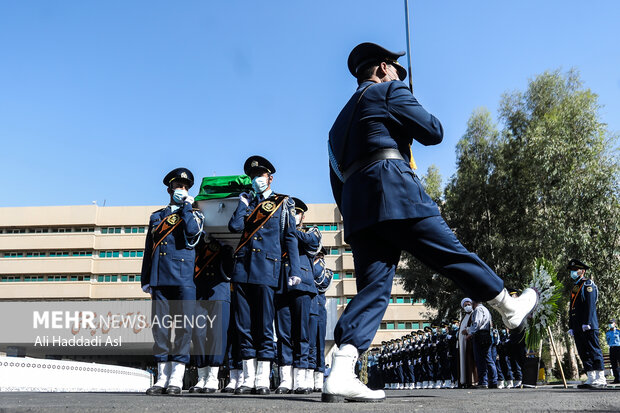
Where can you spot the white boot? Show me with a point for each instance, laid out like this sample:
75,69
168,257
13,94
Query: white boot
514,310
447,384
202,380
212,383
510,384
599,378
163,378
518,383
300,381
318,381
425,384
591,377
263,369
342,383
438,384
234,381
163,374
248,377
418,385
500,384
309,383
176,378
286,380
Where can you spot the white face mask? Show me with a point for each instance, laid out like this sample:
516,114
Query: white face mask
298,219
179,195
259,184
468,308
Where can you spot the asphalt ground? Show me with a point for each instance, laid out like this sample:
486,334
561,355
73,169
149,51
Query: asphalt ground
544,398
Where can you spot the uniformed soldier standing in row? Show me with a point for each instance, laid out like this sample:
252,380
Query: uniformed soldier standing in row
266,221
293,302
613,341
168,275
583,325
385,210
213,267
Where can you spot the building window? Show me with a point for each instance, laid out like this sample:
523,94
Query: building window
16,231
134,230
35,254
347,250
109,254
400,300
426,325
333,251
349,300
391,300
56,278
130,278
111,230
13,254
336,276
401,326
107,278
415,326
133,254
60,230
34,278
420,301
327,227
91,229
348,275
59,253
10,278
41,230
390,326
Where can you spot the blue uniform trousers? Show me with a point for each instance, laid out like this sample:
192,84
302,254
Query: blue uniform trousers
317,330
498,366
487,373
376,252
292,328
254,315
211,352
589,349
168,303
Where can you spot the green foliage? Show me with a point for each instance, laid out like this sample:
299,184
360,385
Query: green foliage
545,185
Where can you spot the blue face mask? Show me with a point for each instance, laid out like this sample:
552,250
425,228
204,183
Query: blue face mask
179,195
574,275
259,184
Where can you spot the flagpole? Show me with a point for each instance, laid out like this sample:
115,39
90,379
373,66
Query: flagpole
408,44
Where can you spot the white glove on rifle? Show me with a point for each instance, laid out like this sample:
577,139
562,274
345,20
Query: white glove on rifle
294,281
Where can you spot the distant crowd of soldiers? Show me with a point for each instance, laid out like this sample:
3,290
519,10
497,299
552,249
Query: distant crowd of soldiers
429,359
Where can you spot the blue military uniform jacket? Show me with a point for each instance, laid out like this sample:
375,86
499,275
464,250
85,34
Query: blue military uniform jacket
583,305
214,282
172,262
387,116
259,261
309,244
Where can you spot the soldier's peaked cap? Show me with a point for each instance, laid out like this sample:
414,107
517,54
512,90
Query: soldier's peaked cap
365,54
258,164
299,205
179,174
575,264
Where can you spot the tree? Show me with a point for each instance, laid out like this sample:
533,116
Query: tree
546,185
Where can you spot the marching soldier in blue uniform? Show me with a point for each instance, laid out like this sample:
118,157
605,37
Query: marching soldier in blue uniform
583,325
293,302
386,210
168,275
213,266
266,221
318,319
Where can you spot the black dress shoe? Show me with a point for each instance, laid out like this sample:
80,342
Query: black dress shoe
207,390
318,390
493,386
282,390
583,386
228,390
480,386
262,391
195,389
595,386
244,390
155,391
303,390
173,390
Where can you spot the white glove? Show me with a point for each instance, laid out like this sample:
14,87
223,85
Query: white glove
245,198
570,332
586,327
293,281
189,199
147,288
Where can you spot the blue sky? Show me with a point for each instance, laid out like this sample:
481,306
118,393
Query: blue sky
98,100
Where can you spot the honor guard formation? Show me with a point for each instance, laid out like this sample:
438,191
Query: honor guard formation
268,281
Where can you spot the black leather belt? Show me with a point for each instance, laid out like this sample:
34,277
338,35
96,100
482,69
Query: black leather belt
378,155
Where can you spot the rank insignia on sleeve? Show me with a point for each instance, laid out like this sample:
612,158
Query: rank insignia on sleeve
172,219
269,206
589,289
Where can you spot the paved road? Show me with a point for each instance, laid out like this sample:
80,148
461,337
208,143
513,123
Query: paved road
530,400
